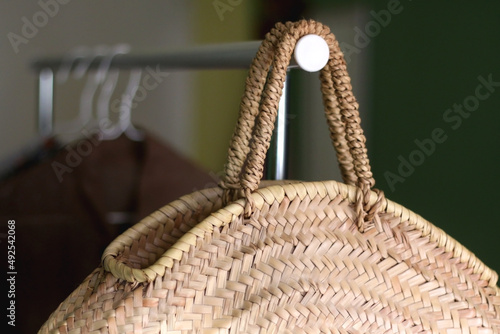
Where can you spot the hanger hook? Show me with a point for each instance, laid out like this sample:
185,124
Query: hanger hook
68,61
110,78
86,57
126,106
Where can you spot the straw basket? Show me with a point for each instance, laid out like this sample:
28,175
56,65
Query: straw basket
298,257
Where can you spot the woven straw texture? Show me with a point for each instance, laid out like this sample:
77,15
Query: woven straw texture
293,257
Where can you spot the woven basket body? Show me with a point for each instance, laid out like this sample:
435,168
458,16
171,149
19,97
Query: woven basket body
297,257
299,264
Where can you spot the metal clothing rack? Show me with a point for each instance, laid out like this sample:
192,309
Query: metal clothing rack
216,56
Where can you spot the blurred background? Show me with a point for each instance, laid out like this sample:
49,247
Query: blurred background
426,75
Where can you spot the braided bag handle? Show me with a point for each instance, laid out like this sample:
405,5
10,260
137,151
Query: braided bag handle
259,107
249,108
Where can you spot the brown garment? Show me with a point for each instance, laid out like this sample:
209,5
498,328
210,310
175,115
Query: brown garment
62,211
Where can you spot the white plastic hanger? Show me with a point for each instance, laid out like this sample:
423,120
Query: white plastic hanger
109,77
73,127
126,106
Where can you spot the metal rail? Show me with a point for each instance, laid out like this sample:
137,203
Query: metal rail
214,56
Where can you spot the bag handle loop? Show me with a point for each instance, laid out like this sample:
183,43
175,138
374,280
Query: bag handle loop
249,109
258,110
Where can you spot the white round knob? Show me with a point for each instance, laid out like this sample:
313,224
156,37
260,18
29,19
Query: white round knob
311,53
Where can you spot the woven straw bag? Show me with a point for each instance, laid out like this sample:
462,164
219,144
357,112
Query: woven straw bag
294,257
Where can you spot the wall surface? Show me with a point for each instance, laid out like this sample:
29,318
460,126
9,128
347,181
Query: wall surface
219,92
436,117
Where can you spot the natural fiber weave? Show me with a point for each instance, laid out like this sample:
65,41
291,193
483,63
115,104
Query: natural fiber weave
285,258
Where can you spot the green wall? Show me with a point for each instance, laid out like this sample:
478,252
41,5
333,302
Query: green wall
218,93
426,64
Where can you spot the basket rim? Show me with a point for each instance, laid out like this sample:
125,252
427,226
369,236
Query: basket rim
269,194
